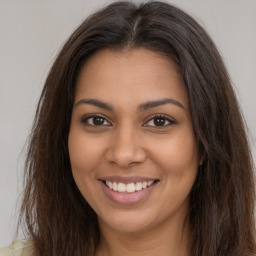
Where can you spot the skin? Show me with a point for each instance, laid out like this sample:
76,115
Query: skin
129,142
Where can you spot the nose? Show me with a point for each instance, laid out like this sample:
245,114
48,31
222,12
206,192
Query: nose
126,149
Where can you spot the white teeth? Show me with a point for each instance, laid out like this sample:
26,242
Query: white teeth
121,187
130,187
138,186
109,184
115,187
150,183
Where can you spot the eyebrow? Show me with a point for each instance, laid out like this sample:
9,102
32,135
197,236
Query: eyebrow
96,103
142,107
156,103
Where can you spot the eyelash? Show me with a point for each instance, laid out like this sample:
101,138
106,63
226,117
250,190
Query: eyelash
85,120
160,116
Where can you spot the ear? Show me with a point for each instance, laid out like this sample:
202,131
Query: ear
201,158
201,154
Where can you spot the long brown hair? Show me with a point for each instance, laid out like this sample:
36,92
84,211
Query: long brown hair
58,218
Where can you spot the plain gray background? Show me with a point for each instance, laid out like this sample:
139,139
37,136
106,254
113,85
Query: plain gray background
32,32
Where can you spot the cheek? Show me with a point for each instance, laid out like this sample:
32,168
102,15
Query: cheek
177,155
179,160
84,155
84,151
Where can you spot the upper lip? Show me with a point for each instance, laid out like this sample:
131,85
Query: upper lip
127,180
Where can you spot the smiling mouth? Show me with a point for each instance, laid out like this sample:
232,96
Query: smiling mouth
130,187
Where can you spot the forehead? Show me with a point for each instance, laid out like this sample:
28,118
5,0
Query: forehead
130,75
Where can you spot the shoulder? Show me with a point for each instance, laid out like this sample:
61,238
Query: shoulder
18,248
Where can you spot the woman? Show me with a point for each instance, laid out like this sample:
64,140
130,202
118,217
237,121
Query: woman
138,145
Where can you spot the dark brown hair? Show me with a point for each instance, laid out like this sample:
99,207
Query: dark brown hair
221,215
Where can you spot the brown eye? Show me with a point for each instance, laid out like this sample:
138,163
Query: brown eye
159,121
95,120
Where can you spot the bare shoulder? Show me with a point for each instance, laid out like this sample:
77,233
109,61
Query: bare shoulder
18,248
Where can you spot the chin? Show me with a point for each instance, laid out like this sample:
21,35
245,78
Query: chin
130,222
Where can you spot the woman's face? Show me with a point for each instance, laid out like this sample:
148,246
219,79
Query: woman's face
133,152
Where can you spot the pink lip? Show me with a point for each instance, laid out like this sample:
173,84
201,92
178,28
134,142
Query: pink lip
127,198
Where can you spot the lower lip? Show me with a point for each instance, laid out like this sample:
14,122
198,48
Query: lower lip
127,198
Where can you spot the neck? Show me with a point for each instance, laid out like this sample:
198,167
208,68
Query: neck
157,241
